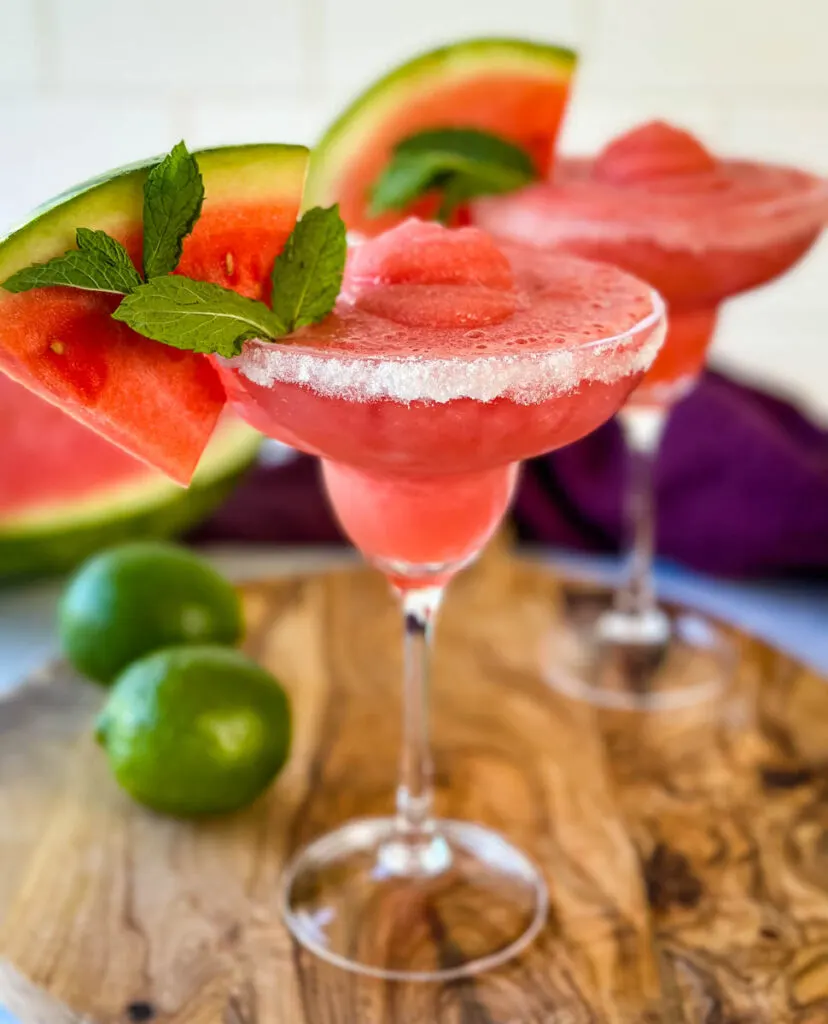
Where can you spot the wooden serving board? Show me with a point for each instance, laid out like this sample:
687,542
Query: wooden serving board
686,855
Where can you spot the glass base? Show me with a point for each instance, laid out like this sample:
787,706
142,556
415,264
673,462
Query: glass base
446,904
660,661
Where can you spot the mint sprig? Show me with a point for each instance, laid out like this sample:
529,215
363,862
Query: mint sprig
307,274
456,163
207,318
173,196
197,315
99,263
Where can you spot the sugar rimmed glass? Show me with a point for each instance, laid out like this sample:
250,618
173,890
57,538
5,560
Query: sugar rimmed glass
699,241
420,459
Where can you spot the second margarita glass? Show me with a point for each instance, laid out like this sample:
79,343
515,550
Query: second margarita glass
656,203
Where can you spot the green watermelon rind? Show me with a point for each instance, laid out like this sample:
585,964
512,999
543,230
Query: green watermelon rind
53,540
114,202
359,119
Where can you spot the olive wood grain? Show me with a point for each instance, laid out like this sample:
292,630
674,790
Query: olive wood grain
686,852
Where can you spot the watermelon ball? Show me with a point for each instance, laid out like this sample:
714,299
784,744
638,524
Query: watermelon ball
652,151
424,252
138,598
422,274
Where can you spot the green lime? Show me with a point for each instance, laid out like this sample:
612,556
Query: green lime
141,597
195,730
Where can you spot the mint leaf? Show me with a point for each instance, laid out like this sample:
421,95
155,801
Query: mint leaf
458,162
196,315
307,274
483,150
173,195
107,248
406,179
100,264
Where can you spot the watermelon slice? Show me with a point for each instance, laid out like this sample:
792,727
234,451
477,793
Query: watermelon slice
157,402
65,492
513,88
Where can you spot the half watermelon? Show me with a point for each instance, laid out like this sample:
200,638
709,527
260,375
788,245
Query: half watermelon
65,492
158,403
511,87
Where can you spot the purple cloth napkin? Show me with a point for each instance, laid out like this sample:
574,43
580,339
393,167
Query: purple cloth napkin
742,484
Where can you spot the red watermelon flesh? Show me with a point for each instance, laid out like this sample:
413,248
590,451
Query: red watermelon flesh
51,460
152,400
158,403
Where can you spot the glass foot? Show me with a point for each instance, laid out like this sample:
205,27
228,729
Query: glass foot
448,904
658,662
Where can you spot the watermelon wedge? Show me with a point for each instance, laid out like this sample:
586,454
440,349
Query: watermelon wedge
65,492
513,88
158,403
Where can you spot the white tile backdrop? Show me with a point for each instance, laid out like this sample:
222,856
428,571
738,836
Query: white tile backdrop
89,84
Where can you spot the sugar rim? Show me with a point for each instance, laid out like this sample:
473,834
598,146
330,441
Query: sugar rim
524,377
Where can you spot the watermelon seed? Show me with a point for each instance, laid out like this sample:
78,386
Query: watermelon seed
57,347
230,264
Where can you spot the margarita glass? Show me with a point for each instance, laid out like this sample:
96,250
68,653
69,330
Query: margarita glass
445,363
656,203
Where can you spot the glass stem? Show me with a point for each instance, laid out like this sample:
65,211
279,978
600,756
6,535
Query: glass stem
643,427
415,792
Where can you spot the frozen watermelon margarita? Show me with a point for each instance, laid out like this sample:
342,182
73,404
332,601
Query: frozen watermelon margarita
447,360
700,229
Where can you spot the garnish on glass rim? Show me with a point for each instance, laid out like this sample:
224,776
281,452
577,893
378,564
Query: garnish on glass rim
456,163
197,315
204,317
